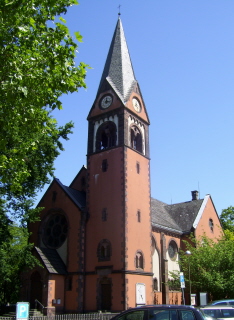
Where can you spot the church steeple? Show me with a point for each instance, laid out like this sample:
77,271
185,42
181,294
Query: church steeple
118,252
118,70
118,116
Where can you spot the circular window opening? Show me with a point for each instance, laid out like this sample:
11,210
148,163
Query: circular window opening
172,250
55,232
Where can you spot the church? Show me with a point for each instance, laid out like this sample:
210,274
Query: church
103,242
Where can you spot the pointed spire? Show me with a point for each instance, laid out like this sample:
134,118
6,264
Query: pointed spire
118,70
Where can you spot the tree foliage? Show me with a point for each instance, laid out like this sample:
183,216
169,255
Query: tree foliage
227,219
211,266
37,55
15,254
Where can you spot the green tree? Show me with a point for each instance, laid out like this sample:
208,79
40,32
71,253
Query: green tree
37,66
211,266
227,219
37,55
15,254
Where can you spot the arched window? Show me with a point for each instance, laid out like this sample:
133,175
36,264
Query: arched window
106,136
136,138
211,225
138,167
104,165
138,216
104,250
156,266
172,250
155,284
139,260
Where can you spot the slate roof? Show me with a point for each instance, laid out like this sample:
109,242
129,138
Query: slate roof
178,217
161,217
185,213
118,70
51,260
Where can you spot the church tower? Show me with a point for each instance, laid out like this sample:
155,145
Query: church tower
118,232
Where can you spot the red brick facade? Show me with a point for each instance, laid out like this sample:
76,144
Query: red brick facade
100,240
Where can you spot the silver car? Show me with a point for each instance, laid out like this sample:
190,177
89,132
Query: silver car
218,312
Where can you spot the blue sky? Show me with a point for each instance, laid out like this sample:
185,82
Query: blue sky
182,55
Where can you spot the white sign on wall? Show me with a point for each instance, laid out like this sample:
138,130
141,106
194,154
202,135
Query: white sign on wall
140,293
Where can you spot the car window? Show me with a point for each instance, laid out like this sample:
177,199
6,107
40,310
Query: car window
221,303
187,315
231,303
204,316
227,313
215,313
162,314
134,315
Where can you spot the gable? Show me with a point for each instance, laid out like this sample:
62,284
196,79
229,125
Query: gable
79,182
55,191
198,216
207,221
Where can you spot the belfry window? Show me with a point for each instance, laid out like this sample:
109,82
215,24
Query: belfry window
136,138
106,136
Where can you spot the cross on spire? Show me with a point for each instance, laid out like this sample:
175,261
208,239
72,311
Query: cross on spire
119,10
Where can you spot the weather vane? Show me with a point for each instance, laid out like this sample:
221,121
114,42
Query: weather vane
119,10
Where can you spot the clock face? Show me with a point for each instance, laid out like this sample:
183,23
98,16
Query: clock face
106,101
140,293
136,104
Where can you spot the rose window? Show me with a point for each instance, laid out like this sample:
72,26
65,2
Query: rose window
55,231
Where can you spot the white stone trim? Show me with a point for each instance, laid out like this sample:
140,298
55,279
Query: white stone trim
200,213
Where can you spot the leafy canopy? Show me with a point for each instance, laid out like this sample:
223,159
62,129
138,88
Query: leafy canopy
37,55
211,266
37,66
15,254
227,219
